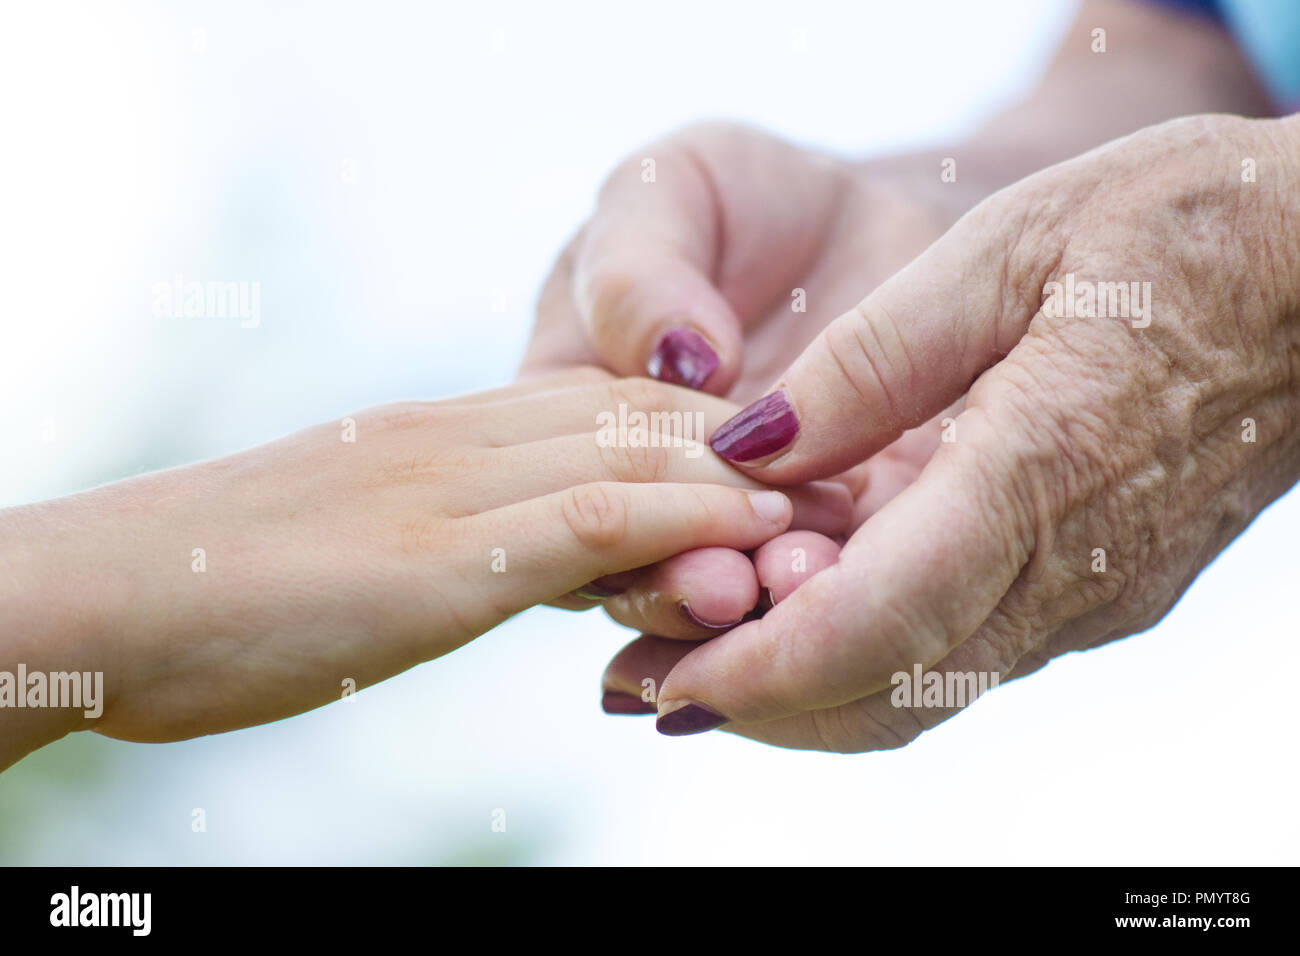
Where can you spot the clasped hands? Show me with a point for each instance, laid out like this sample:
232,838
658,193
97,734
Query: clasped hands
1030,475
970,480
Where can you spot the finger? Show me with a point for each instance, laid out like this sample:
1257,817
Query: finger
539,468
691,596
559,338
548,546
879,479
914,704
642,277
689,244
700,594
630,684
607,404
910,348
788,560
915,581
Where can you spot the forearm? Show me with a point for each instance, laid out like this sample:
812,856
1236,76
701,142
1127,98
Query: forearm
52,619
1158,64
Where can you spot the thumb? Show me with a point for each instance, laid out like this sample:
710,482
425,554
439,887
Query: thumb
642,278
902,355
690,245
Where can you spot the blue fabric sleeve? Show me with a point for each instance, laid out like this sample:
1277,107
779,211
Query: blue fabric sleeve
1268,31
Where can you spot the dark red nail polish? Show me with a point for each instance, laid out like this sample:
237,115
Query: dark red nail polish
692,618
691,719
616,702
682,357
764,427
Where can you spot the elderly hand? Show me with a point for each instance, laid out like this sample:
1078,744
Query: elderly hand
1126,325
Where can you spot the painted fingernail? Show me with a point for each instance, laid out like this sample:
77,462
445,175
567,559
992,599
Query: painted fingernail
764,427
692,618
682,357
611,585
686,718
616,702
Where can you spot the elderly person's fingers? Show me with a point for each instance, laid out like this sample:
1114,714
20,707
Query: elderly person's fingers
688,246
910,348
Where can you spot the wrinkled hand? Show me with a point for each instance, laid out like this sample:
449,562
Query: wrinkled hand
1098,465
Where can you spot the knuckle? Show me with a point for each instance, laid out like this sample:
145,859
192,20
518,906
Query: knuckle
832,732
398,417
679,148
1019,239
1003,639
583,376
1016,475
596,515
638,394
865,725
911,635
417,467
419,537
1013,505
640,458
610,295
870,354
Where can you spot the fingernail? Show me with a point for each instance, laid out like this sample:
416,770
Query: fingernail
611,585
616,702
764,427
769,505
692,618
687,718
682,357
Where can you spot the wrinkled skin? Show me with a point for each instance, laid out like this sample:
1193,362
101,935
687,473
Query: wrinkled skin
734,214
1077,434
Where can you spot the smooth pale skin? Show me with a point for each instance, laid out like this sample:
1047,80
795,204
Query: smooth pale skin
328,561
712,246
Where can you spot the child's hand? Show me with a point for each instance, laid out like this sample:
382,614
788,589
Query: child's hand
253,587
779,566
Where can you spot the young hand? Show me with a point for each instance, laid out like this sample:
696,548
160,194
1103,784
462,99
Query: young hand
249,588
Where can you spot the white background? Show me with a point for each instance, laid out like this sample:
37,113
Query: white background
386,172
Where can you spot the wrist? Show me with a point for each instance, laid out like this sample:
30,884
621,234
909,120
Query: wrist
56,619
1284,143
1263,182
1156,64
